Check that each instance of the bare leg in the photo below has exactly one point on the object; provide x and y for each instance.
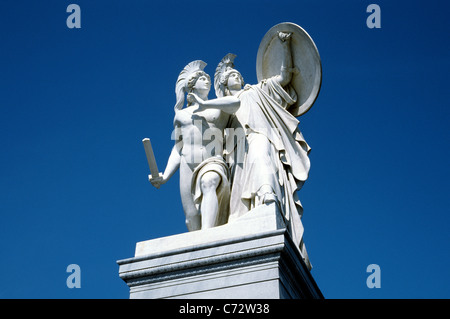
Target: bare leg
(209, 206)
(193, 221)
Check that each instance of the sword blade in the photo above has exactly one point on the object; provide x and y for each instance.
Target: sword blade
(150, 158)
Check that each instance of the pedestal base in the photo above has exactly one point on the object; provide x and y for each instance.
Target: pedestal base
(252, 257)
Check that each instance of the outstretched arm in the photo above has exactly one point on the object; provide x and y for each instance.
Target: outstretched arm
(227, 104)
(286, 64)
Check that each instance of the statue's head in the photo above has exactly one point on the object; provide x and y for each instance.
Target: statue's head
(227, 77)
(199, 83)
(192, 79)
(232, 80)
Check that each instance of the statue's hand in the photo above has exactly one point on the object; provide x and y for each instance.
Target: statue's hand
(190, 98)
(157, 181)
(284, 36)
(193, 98)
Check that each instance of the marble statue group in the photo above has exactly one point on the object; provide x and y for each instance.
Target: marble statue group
(244, 148)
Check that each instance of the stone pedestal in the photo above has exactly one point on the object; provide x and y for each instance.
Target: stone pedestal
(251, 257)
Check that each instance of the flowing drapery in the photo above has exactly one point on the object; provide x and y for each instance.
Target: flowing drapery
(271, 152)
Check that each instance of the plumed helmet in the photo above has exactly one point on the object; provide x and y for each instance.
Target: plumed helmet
(182, 86)
(223, 71)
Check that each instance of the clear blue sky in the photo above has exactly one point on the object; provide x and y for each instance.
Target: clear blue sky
(76, 103)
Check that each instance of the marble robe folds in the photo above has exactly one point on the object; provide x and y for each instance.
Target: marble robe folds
(283, 163)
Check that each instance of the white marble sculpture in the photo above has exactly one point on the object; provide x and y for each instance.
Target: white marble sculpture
(276, 162)
(204, 175)
(268, 163)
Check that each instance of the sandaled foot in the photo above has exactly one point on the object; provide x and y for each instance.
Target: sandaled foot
(269, 198)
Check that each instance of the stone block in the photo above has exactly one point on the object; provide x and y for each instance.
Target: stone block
(251, 257)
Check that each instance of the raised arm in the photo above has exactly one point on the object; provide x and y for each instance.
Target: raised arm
(286, 64)
(227, 104)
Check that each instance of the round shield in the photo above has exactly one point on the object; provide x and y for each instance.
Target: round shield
(307, 78)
